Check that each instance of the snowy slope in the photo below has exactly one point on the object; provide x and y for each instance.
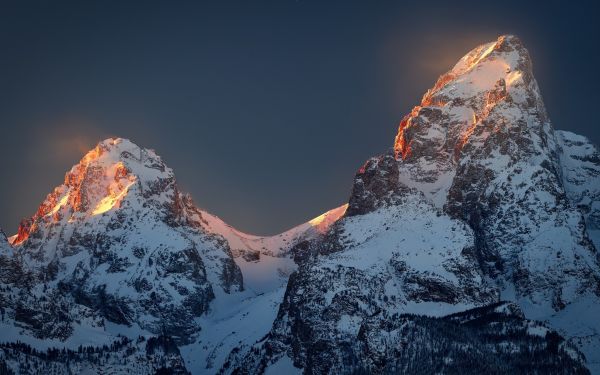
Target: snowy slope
(241, 319)
(243, 243)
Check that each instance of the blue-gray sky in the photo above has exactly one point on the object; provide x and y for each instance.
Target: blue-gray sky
(263, 109)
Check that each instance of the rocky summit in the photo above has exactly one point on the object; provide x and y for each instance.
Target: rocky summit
(469, 247)
(114, 245)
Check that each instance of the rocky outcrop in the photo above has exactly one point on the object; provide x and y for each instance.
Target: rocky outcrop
(376, 184)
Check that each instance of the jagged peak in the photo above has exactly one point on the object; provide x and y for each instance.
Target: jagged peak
(506, 47)
(102, 180)
(494, 73)
(505, 60)
(107, 172)
(112, 151)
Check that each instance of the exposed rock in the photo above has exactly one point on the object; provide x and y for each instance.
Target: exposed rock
(375, 184)
(580, 171)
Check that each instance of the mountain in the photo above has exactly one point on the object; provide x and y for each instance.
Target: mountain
(118, 251)
(480, 201)
(469, 247)
(115, 244)
(499, 166)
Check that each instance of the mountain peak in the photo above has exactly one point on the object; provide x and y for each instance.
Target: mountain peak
(492, 78)
(480, 69)
(120, 150)
(115, 239)
(113, 173)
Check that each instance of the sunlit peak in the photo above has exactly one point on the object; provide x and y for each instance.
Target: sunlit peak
(322, 222)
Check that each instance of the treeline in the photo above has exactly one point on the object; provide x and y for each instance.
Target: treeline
(158, 355)
(64, 354)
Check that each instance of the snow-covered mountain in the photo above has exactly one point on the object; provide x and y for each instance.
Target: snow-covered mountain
(118, 251)
(115, 244)
(481, 147)
(471, 246)
(480, 201)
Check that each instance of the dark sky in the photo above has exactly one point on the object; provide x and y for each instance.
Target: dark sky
(264, 109)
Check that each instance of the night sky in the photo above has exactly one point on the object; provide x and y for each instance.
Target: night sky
(263, 109)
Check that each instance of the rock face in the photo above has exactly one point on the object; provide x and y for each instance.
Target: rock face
(580, 170)
(114, 244)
